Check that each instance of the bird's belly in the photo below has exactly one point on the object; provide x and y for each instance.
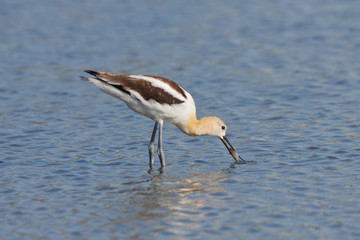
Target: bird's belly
(158, 112)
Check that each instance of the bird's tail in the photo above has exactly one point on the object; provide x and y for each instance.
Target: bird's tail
(95, 81)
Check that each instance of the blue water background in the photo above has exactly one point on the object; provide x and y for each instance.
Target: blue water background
(284, 76)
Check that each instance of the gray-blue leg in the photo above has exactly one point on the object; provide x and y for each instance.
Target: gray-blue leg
(151, 146)
(160, 150)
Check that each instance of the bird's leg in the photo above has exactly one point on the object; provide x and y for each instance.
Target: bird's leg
(160, 150)
(151, 146)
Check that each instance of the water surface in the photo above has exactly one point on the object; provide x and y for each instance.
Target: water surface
(283, 75)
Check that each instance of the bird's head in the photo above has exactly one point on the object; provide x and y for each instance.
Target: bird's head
(214, 126)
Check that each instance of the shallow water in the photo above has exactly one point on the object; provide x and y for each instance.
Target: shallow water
(283, 75)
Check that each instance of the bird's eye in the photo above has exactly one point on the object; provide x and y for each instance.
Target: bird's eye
(223, 127)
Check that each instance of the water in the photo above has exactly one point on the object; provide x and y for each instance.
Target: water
(284, 76)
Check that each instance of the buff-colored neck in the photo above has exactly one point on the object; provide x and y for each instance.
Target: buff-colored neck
(197, 127)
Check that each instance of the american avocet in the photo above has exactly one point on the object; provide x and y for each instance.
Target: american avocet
(163, 101)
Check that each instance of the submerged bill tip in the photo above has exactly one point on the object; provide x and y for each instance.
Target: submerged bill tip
(234, 154)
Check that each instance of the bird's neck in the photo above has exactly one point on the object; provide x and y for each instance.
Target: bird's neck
(197, 127)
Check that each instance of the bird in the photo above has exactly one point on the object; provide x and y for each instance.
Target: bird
(163, 101)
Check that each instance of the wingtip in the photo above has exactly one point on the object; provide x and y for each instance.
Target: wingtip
(94, 73)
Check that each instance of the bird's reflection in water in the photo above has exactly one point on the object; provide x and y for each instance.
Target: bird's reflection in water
(170, 200)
